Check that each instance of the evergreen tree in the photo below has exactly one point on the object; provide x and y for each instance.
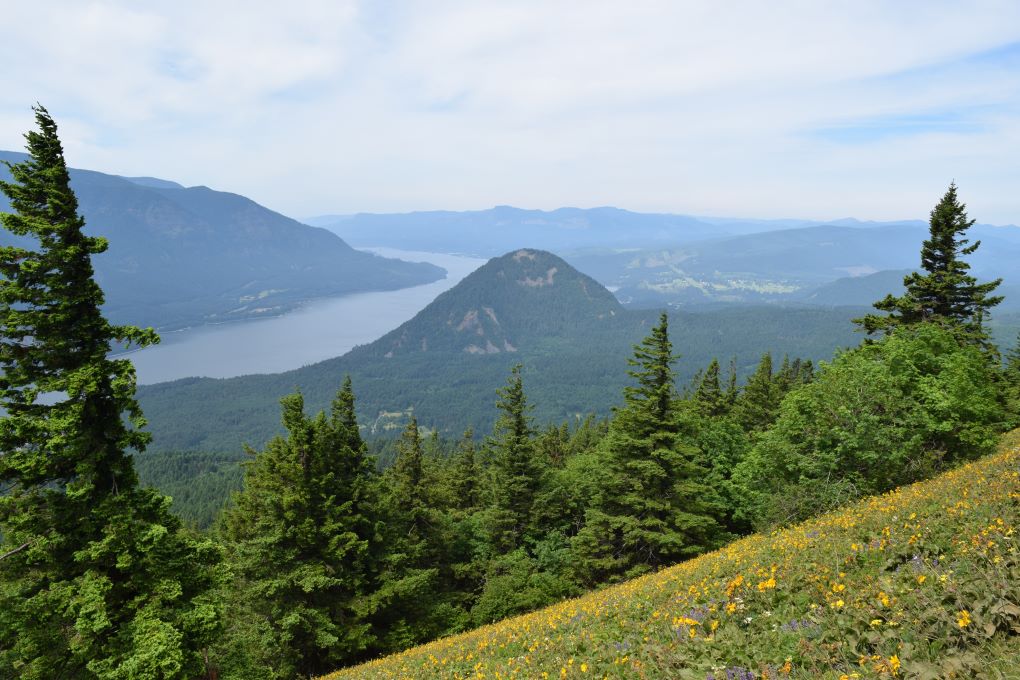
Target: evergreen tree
(97, 579)
(1013, 360)
(465, 474)
(1011, 376)
(515, 472)
(758, 403)
(655, 507)
(731, 385)
(709, 397)
(300, 537)
(414, 580)
(344, 416)
(405, 482)
(945, 293)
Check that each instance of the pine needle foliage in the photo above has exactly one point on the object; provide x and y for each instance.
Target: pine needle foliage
(655, 507)
(943, 292)
(97, 579)
(299, 538)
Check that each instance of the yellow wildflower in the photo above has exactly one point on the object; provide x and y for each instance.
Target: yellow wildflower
(963, 619)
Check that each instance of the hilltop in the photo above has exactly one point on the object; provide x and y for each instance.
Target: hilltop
(919, 583)
(510, 302)
(183, 256)
(528, 306)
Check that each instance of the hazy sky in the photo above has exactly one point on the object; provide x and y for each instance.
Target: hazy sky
(767, 109)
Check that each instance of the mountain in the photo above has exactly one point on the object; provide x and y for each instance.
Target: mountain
(497, 230)
(857, 290)
(528, 306)
(777, 266)
(182, 256)
(510, 302)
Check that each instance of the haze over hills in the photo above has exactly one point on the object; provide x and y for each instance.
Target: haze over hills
(651, 260)
(497, 230)
(531, 307)
(183, 256)
(783, 266)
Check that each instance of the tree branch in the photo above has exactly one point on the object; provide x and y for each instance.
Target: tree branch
(16, 550)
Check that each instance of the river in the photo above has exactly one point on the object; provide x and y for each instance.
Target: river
(320, 329)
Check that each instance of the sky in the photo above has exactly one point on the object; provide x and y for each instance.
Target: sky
(769, 109)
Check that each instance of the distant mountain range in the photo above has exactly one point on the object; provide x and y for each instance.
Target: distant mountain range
(184, 256)
(503, 228)
(528, 306)
(652, 260)
(811, 265)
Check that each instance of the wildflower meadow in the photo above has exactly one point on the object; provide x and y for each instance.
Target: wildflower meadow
(922, 582)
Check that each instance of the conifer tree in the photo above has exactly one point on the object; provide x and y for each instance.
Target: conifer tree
(1012, 380)
(406, 484)
(300, 537)
(656, 507)
(731, 384)
(758, 403)
(410, 589)
(515, 471)
(97, 579)
(944, 293)
(709, 397)
(344, 416)
(465, 474)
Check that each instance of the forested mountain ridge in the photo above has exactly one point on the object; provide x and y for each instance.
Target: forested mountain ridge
(503, 304)
(183, 256)
(528, 307)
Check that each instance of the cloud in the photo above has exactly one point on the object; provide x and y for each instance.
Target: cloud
(751, 108)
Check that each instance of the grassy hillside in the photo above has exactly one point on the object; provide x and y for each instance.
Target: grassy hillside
(923, 582)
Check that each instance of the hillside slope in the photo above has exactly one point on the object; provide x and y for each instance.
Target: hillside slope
(182, 256)
(922, 582)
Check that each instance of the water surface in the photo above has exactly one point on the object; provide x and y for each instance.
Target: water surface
(321, 329)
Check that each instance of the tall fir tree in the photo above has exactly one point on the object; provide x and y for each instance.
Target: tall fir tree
(300, 537)
(465, 474)
(655, 507)
(406, 483)
(97, 580)
(411, 586)
(732, 392)
(515, 472)
(344, 417)
(709, 397)
(758, 403)
(943, 292)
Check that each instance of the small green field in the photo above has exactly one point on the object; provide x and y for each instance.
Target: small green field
(922, 582)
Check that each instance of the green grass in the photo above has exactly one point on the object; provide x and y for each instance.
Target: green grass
(922, 582)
